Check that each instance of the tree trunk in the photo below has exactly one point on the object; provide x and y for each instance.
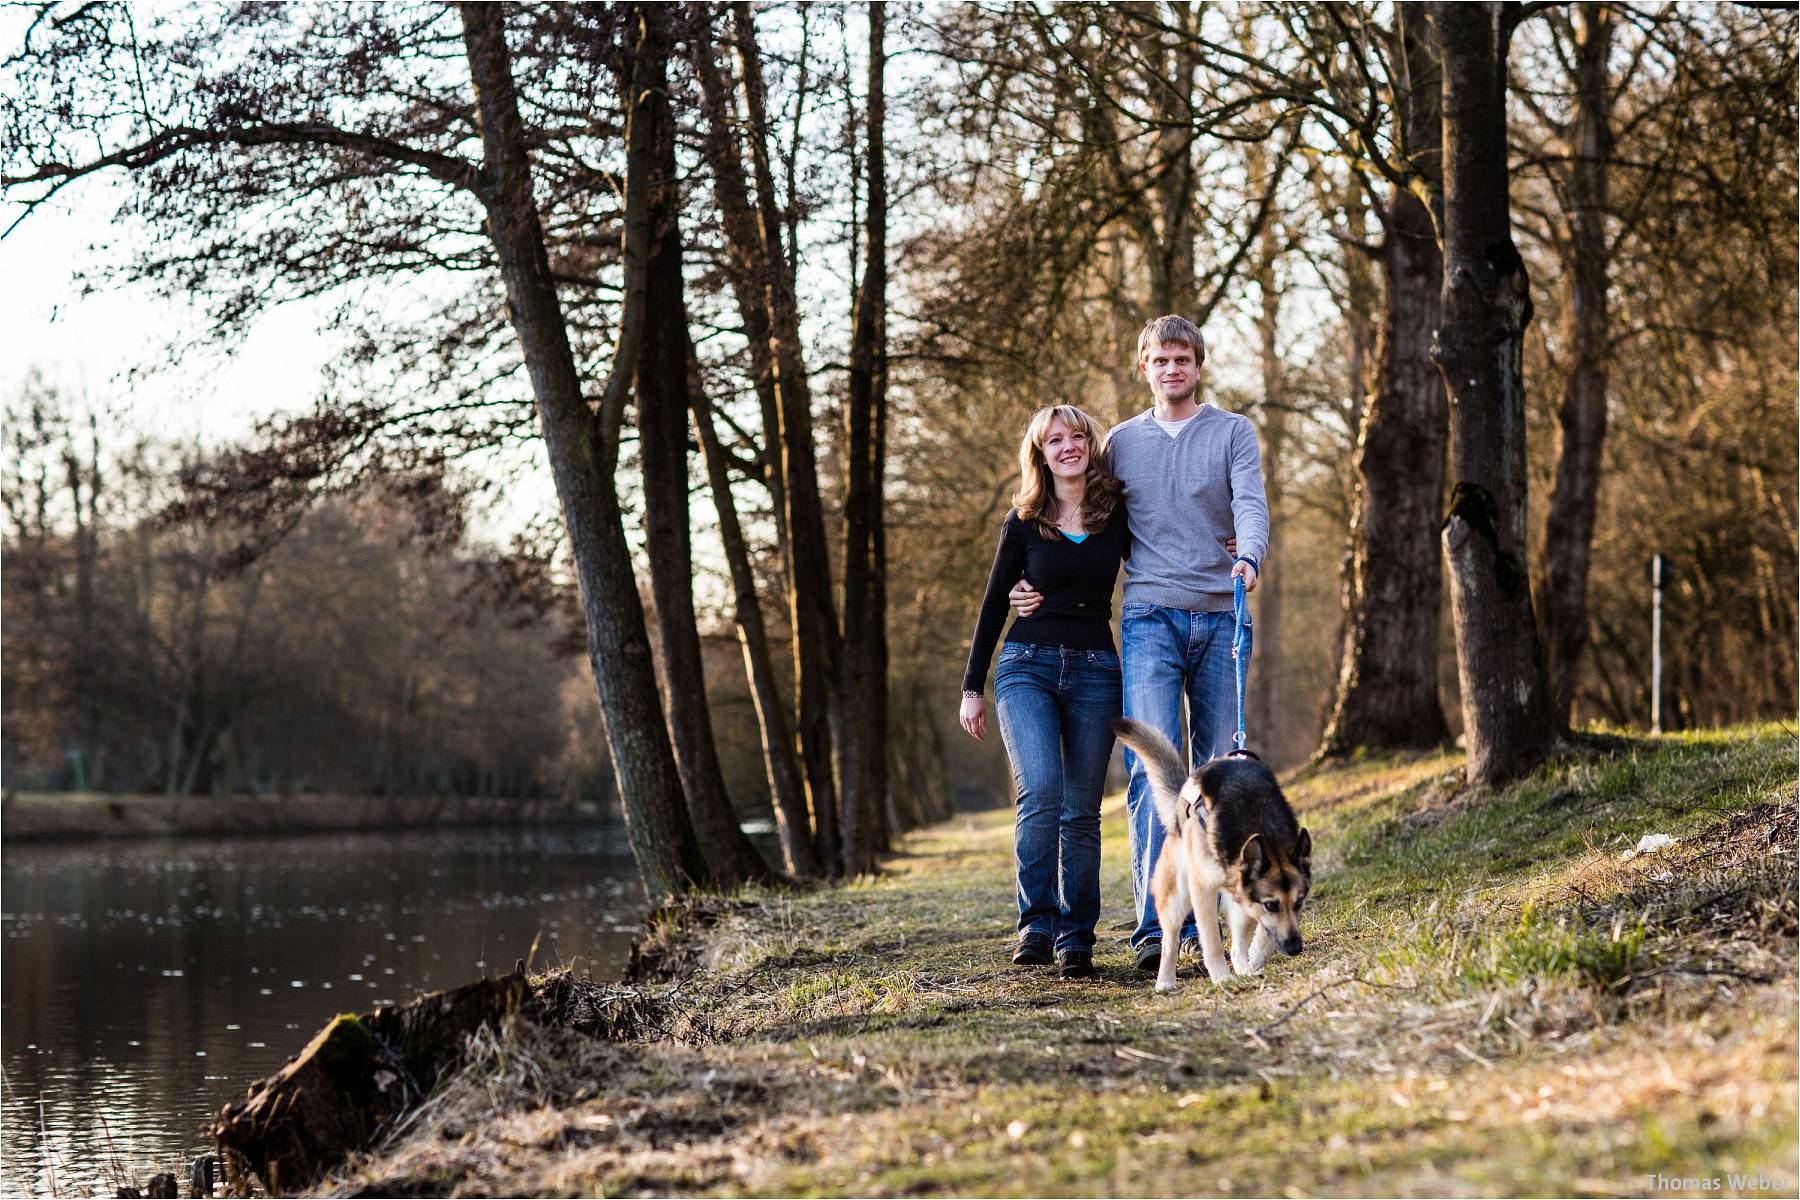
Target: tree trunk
(662, 838)
(663, 404)
(1171, 261)
(1509, 717)
(881, 698)
(812, 617)
(863, 751)
(87, 553)
(1264, 700)
(787, 789)
(1569, 529)
(747, 263)
(1387, 693)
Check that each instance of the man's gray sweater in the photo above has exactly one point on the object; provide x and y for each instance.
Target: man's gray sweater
(1184, 496)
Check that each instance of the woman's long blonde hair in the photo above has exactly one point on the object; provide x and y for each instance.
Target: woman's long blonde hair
(1036, 497)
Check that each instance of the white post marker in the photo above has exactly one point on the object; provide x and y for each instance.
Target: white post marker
(1659, 573)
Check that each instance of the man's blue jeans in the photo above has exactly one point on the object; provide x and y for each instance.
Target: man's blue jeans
(1171, 653)
(1056, 709)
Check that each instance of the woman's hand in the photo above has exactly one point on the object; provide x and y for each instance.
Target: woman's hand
(973, 716)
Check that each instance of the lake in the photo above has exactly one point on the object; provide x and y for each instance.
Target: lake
(148, 982)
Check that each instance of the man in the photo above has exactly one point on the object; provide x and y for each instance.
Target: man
(1198, 520)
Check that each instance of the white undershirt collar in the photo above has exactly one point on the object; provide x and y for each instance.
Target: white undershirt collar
(1174, 428)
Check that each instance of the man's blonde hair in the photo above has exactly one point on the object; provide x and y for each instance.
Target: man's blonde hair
(1171, 330)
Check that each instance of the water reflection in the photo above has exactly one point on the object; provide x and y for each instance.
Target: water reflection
(147, 983)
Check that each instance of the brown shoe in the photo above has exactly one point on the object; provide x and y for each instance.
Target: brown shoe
(1075, 964)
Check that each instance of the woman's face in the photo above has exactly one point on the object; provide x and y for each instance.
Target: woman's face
(1065, 450)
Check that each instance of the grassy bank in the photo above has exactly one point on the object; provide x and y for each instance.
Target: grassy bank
(1493, 1000)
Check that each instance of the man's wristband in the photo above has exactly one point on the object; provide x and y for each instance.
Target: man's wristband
(1254, 565)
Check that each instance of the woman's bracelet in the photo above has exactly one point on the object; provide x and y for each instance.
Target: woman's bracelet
(968, 695)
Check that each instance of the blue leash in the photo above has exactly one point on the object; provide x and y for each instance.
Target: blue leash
(1240, 611)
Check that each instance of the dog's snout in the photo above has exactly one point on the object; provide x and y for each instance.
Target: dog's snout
(1291, 946)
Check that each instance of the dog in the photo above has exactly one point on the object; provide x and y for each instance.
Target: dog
(1231, 834)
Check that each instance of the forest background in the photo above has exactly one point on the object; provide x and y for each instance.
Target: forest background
(769, 293)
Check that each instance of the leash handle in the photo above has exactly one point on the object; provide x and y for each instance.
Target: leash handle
(1240, 609)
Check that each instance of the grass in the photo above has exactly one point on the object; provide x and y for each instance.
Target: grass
(1494, 1000)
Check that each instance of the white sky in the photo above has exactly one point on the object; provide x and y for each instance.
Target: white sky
(111, 346)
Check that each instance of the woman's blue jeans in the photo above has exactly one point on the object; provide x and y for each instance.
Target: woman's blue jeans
(1056, 709)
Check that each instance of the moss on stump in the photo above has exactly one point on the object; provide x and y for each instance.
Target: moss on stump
(356, 1077)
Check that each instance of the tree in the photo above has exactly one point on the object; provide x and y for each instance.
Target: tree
(768, 289)
(663, 404)
(864, 663)
(577, 439)
(787, 787)
(1508, 711)
(1386, 693)
(1569, 529)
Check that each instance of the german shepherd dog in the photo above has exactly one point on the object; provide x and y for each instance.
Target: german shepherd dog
(1230, 832)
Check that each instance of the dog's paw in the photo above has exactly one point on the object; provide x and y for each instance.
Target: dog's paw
(1247, 965)
(1220, 970)
(1166, 985)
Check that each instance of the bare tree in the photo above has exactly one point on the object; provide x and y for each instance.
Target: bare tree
(1387, 683)
(1508, 711)
(1581, 420)
(812, 614)
(576, 436)
(663, 403)
(864, 661)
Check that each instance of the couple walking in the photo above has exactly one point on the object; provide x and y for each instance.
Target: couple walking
(1176, 494)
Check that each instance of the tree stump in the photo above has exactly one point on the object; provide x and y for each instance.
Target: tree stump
(356, 1077)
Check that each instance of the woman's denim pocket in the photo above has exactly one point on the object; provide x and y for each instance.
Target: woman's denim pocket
(1106, 660)
(1013, 651)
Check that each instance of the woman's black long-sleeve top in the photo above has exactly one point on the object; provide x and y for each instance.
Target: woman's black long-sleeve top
(1075, 578)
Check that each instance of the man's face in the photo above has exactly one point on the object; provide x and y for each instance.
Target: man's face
(1171, 371)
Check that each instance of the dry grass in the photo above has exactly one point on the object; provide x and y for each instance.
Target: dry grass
(1491, 1003)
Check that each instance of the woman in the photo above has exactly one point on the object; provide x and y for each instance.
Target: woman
(1058, 685)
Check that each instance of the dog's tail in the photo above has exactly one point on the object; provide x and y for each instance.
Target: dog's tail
(1162, 764)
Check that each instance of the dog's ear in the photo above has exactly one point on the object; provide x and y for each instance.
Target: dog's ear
(1303, 851)
(1251, 859)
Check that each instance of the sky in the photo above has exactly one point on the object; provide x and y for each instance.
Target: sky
(110, 346)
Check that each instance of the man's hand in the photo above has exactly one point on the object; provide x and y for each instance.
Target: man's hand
(1241, 569)
(973, 716)
(1024, 598)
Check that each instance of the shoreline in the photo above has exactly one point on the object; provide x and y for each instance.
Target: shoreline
(41, 818)
(1481, 965)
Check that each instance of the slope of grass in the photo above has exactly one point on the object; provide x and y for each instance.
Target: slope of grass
(1494, 1000)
